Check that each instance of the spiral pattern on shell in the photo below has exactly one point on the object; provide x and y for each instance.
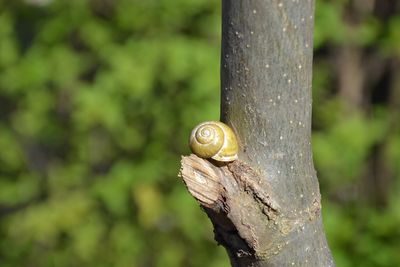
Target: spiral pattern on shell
(214, 140)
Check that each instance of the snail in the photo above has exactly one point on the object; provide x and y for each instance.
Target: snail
(214, 139)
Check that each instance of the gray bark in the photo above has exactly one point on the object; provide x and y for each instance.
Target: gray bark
(265, 207)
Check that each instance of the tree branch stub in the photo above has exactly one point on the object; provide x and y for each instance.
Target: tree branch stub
(237, 199)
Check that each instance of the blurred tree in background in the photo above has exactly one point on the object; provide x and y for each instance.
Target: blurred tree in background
(97, 98)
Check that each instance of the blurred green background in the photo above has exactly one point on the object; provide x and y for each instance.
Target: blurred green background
(97, 98)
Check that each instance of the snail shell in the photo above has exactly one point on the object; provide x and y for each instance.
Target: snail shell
(214, 139)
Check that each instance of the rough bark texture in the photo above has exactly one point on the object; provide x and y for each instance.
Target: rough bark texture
(265, 207)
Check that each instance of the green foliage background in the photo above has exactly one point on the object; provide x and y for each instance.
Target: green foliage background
(97, 98)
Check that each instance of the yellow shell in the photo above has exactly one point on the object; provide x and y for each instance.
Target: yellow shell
(214, 139)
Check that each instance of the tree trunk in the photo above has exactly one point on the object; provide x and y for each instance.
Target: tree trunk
(265, 207)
